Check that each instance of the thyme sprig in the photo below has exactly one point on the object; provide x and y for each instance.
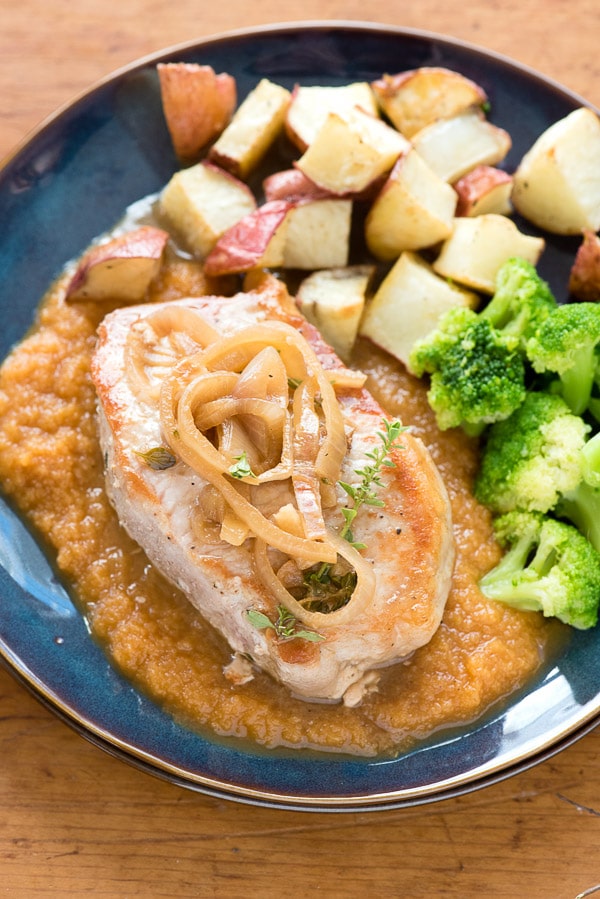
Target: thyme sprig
(286, 625)
(365, 493)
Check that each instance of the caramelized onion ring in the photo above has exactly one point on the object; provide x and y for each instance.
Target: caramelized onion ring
(199, 453)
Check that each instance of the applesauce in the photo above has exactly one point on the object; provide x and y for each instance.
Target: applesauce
(52, 470)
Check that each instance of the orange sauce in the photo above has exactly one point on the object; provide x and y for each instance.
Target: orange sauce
(51, 468)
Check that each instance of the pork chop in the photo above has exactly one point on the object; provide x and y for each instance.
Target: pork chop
(408, 547)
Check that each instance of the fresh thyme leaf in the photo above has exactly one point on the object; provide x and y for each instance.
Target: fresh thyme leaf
(311, 636)
(241, 468)
(286, 625)
(355, 543)
(374, 501)
(258, 619)
(349, 515)
(158, 458)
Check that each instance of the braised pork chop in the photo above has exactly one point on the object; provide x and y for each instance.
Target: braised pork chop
(408, 541)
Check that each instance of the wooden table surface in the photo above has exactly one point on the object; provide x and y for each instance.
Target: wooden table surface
(75, 821)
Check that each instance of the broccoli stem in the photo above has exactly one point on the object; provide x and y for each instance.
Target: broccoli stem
(505, 581)
(582, 507)
(590, 458)
(578, 380)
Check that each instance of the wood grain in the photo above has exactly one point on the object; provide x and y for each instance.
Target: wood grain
(73, 820)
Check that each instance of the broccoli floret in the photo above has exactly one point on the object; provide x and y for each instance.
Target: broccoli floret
(522, 300)
(566, 344)
(477, 374)
(548, 567)
(533, 457)
(581, 505)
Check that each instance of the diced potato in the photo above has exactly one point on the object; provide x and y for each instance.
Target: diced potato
(414, 209)
(349, 154)
(310, 106)
(479, 246)
(197, 104)
(121, 268)
(416, 98)
(584, 278)
(256, 241)
(253, 129)
(333, 301)
(557, 183)
(452, 147)
(408, 305)
(483, 190)
(318, 234)
(202, 203)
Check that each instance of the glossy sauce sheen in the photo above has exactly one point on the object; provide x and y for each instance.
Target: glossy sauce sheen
(51, 467)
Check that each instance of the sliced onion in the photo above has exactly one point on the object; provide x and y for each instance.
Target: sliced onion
(233, 530)
(307, 485)
(265, 377)
(231, 397)
(198, 452)
(155, 343)
(334, 446)
(345, 378)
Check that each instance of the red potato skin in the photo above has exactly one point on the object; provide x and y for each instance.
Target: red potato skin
(146, 242)
(292, 185)
(584, 279)
(242, 247)
(475, 184)
(365, 196)
(197, 105)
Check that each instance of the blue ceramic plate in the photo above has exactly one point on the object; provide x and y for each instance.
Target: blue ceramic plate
(71, 181)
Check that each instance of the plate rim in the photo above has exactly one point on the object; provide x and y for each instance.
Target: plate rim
(277, 28)
(149, 762)
(399, 799)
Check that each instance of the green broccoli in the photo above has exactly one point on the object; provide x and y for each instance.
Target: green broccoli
(522, 300)
(581, 504)
(533, 457)
(477, 374)
(538, 460)
(566, 344)
(593, 406)
(548, 566)
(591, 461)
